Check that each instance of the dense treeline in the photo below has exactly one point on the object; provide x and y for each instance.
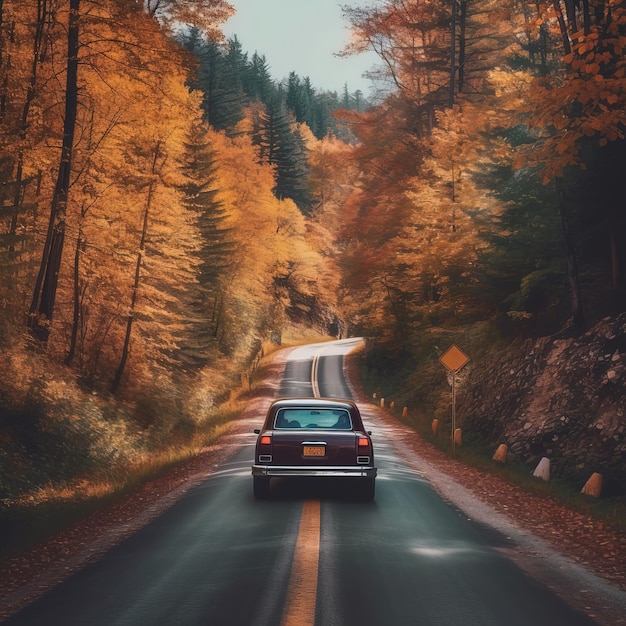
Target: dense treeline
(150, 242)
(491, 186)
(232, 85)
(230, 82)
(490, 214)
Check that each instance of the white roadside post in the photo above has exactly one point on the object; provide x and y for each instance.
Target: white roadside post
(453, 359)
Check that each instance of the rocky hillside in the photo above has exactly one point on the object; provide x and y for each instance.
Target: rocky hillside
(563, 398)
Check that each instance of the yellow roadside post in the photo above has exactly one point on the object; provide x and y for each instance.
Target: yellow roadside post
(458, 437)
(593, 487)
(500, 454)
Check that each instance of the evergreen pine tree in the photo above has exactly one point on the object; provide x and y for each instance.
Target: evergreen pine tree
(205, 304)
(257, 82)
(523, 267)
(299, 98)
(281, 146)
(358, 100)
(223, 101)
(219, 77)
(238, 60)
(346, 100)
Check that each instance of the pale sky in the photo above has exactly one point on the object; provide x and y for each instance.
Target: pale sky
(301, 36)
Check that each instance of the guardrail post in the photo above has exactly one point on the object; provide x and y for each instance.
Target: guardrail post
(458, 437)
(593, 486)
(500, 454)
(543, 469)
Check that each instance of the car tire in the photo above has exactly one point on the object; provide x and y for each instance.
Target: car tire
(368, 489)
(261, 487)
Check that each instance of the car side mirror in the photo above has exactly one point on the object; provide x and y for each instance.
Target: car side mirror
(257, 431)
(369, 432)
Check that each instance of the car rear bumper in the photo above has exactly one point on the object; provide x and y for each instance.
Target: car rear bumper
(352, 471)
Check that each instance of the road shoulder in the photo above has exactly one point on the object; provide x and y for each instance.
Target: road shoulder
(582, 559)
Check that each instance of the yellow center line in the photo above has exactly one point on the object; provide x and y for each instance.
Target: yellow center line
(302, 592)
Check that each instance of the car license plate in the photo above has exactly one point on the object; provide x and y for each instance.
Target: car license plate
(314, 451)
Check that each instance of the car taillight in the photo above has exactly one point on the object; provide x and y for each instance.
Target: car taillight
(265, 449)
(363, 450)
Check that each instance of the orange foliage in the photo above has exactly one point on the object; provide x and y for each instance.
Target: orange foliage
(588, 100)
(130, 154)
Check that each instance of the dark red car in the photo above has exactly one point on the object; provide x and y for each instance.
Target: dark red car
(317, 437)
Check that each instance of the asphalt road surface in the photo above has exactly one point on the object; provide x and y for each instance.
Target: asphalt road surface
(312, 554)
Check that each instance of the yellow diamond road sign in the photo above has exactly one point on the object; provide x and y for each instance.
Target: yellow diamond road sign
(453, 358)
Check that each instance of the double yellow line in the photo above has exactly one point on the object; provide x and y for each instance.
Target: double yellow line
(302, 592)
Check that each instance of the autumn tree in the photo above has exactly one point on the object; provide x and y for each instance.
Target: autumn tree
(374, 214)
(580, 120)
(45, 17)
(332, 177)
(412, 40)
(44, 293)
(178, 260)
(27, 35)
(99, 219)
(204, 14)
(423, 204)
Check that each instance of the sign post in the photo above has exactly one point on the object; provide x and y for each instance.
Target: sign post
(453, 359)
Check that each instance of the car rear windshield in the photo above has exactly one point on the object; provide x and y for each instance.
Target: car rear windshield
(336, 419)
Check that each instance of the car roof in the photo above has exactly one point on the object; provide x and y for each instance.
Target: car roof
(336, 403)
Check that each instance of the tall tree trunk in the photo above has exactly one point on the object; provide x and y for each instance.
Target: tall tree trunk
(133, 302)
(1, 33)
(42, 306)
(452, 53)
(76, 318)
(573, 278)
(586, 17)
(616, 265)
(462, 45)
(43, 14)
(567, 46)
(570, 11)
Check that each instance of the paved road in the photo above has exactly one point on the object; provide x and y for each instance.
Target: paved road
(312, 554)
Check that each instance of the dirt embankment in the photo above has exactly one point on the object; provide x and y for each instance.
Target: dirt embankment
(560, 398)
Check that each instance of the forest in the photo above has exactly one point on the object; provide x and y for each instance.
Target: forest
(170, 211)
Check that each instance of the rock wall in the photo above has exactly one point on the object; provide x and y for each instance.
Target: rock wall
(560, 398)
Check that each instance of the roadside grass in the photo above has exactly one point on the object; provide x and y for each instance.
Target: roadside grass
(475, 452)
(611, 510)
(88, 454)
(48, 509)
